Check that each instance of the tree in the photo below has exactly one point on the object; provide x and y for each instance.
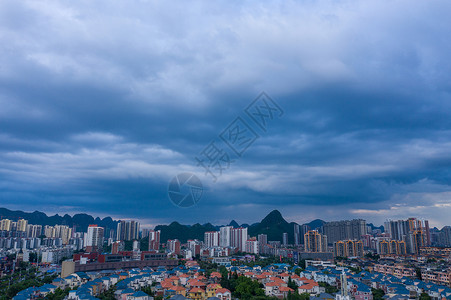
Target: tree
(247, 288)
(355, 270)
(108, 294)
(378, 294)
(302, 263)
(418, 273)
(425, 296)
(33, 257)
(58, 294)
(329, 288)
(291, 284)
(372, 256)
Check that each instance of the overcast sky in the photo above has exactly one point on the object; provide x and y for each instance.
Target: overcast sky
(102, 103)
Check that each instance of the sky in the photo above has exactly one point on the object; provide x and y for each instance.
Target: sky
(103, 103)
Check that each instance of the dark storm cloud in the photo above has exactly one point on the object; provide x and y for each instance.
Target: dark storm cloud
(101, 104)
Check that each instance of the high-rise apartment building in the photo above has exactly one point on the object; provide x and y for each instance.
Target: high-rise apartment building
(127, 231)
(348, 248)
(5, 224)
(262, 239)
(117, 246)
(239, 238)
(391, 247)
(417, 239)
(304, 229)
(94, 238)
(344, 230)
(154, 239)
(225, 236)
(194, 246)
(252, 246)
(34, 231)
(62, 232)
(397, 247)
(297, 234)
(414, 232)
(444, 237)
(174, 246)
(211, 239)
(285, 238)
(22, 225)
(315, 242)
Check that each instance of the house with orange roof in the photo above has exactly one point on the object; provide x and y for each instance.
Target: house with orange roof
(191, 281)
(196, 293)
(166, 284)
(191, 263)
(215, 275)
(271, 288)
(277, 280)
(184, 279)
(199, 284)
(312, 288)
(284, 276)
(223, 294)
(249, 274)
(174, 278)
(284, 290)
(212, 288)
(302, 280)
(180, 290)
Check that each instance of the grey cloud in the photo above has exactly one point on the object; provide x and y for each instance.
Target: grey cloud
(102, 102)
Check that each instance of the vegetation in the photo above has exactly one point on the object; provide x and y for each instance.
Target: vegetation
(242, 287)
(301, 263)
(24, 277)
(418, 273)
(329, 288)
(148, 290)
(425, 296)
(372, 256)
(291, 284)
(108, 294)
(355, 270)
(378, 294)
(246, 288)
(296, 296)
(58, 294)
(266, 261)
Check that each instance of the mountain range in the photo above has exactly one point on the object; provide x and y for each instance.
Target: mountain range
(80, 221)
(274, 225)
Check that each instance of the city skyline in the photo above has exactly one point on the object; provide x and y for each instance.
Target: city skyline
(356, 226)
(102, 107)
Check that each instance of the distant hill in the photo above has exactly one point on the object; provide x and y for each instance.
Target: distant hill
(234, 224)
(274, 225)
(184, 232)
(81, 221)
(316, 224)
(376, 227)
